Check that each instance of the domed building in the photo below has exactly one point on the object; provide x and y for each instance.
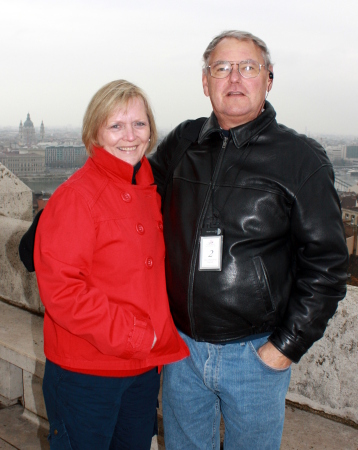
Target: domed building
(42, 131)
(27, 132)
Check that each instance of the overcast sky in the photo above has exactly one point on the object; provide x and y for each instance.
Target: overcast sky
(56, 54)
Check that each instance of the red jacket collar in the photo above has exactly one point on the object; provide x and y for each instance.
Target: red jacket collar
(120, 170)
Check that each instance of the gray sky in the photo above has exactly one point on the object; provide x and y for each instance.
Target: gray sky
(55, 54)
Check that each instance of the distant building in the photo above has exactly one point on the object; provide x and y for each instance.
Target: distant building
(22, 165)
(21, 132)
(65, 156)
(350, 220)
(42, 132)
(350, 215)
(351, 152)
(27, 134)
(335, 152)
(348, 200)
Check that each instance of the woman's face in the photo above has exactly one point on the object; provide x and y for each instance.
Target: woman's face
(126, 133)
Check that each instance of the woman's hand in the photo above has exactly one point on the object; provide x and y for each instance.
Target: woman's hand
(154, 340)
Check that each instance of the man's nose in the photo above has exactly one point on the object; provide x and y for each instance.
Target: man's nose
(235, 75)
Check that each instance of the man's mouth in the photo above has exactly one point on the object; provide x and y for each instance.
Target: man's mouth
(234, 93)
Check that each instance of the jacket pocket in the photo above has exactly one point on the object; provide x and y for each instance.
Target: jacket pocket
(140, 339)
(264, 284)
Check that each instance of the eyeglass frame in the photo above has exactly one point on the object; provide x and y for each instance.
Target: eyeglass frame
(238, 68)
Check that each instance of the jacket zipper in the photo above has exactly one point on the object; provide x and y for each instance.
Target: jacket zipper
(197, 237)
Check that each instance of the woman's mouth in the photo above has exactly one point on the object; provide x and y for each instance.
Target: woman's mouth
(127, 149)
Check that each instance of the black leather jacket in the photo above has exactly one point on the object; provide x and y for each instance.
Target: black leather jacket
(284, 267)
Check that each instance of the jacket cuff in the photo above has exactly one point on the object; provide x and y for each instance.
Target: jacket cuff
(140, 339)
(291, 349)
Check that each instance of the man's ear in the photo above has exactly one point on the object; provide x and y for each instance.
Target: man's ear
(270, 79)
(205, 83)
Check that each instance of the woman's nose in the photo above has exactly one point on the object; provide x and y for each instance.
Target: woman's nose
(129, 133)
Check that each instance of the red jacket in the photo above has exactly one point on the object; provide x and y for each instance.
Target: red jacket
(99, 258)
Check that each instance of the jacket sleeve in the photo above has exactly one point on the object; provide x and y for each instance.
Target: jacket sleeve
(65, 243)
(26, 246)
(161, 159)
(320, 260)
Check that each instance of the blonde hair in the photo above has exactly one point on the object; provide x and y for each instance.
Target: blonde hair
(110, 97)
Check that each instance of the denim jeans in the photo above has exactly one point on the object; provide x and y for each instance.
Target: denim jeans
(89, 412)
(230, 380)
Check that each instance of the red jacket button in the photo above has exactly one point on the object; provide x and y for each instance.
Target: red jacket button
(149, 263)
(140, 229)
(126, 197)
(160, 226)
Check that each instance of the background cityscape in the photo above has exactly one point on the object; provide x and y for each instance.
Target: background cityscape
(43, 158)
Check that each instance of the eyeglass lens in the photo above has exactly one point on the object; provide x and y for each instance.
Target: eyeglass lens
(248, 69)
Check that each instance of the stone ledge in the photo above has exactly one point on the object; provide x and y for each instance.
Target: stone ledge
(21, 339)
(16, 284)
(326, 377)
(21, 352)
(15, 196)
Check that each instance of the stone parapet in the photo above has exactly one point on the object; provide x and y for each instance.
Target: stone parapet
(22, 360)
(15, 196)
(17, 286)
(326, 378)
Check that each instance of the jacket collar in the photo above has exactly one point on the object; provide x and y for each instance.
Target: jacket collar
(243, 133)
(119, 170)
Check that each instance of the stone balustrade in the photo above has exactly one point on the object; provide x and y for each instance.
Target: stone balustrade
(325, 380)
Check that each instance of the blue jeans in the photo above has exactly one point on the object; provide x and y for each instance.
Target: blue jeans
(89, 412)
(230, 380)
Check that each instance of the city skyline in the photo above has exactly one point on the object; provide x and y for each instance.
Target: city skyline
(56, 56)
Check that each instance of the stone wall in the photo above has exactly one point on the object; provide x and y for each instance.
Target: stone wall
(326, 378)
(16, 284)
(15, 196)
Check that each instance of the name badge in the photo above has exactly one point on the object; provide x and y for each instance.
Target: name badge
(211, 252)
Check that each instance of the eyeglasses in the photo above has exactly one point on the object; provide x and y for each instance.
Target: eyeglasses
(247, 69)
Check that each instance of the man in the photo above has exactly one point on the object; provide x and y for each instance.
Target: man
(256, 256)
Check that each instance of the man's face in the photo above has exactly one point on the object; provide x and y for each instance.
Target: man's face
(236, 100)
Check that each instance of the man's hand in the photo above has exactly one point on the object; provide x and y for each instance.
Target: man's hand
(273, 357)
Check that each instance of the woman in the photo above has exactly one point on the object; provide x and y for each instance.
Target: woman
(99, 258)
